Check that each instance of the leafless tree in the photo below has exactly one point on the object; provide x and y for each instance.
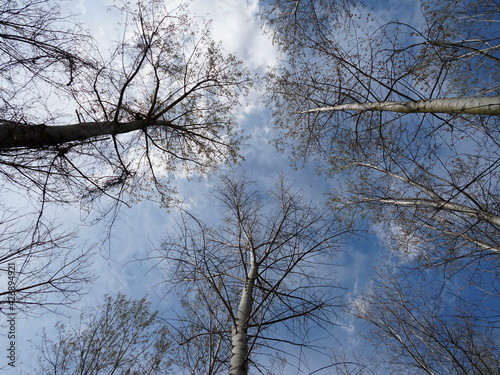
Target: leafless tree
(40, 267)
(435, 175)
(121, 336)
(255, 281)
(420, 322)
(82, 120)
(486, 105)
(158, 102)
(428, 182)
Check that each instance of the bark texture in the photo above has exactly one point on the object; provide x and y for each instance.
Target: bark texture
(445, 205)
(239, 337)
(471, 105)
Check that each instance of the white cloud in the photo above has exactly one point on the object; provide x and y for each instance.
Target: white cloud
(238, 27)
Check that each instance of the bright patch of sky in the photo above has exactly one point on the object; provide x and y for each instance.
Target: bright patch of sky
(236, 25)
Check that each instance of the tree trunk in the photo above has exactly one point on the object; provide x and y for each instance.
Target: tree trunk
(16, 135)
(239, 337)
(471, 105)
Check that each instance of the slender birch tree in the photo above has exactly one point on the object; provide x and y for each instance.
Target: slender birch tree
(83, 119)
(257, 283)
(426, 182)
(473, 105)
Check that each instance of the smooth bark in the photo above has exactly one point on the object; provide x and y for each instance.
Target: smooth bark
(444, 205)
(470, 105)
(251, 281)
(239, 336)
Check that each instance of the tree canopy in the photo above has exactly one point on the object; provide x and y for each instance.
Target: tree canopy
(79, 120)
(92, 125)
(426, 183)
(434, 174)
(122, 336)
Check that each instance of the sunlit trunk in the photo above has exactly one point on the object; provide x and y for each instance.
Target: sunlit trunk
(445, 205)
(17, 135)
(472, 105)
(239, 337)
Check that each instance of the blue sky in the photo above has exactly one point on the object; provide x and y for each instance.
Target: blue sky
(143, 226)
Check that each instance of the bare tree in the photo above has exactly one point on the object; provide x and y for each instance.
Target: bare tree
(80, 121)
(158, 102)
(421, 322)
(473, 105)
(122, 336)
(40, 267)
(258, 282)
(428, 182)
(434, 175)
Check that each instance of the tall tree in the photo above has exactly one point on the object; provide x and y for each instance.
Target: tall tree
(156, 103)
(82, 119)
(473, 105)
(430, 181)
(122, 336)
(257, 282)
(435, 175)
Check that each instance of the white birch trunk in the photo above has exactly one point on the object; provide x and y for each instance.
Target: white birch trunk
(448, 206)
(239, 336)
(435, 200)
(16, 135)
(471, 105)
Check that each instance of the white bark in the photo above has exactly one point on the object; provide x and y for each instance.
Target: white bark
(483, 245)
(471, 105)
(239, 337)
(435, 200)
(444, 205)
